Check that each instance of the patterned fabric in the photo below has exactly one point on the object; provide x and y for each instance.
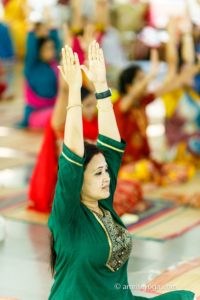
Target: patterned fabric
(120, 241)
(132, 127)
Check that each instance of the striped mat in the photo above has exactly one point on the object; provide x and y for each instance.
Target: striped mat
(167, 224)
(185, 276)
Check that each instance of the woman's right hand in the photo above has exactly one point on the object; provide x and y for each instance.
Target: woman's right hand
(97, 69)
(70, 69)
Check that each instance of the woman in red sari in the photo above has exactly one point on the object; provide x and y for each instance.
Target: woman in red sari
(130, 109)
(44, 177)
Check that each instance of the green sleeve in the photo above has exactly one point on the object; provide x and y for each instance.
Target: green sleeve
(66, 203)
(113, 152)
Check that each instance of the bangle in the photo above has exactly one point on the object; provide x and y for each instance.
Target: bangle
(106, 107)
(103, 95)
(74, 105)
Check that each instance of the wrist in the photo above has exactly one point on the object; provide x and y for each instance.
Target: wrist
(74, 89)
(74, 95)
(101, 87)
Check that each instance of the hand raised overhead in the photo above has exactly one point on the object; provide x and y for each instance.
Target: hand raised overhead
(97, 70)
(70, 68)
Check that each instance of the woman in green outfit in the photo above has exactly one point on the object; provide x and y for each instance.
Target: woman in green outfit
(91, 245)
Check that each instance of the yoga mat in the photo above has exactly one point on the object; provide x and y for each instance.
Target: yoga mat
(176, 191)
(185, 276)
(169, 223)
(20, 212)
(14, 204)
(27, 141)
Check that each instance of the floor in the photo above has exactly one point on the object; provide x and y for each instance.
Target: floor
(24, 254)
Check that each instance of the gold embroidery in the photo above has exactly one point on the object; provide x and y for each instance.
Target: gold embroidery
(119, 240)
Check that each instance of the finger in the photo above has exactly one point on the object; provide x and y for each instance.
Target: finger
(93, 50)
(76, 59)
(97, 51)
(71, 55)
(67, 53)
(101, 56)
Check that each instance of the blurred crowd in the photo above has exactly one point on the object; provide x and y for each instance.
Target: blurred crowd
(152, 50)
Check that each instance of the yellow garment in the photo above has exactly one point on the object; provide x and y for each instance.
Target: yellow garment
(115, 95)
(171, 100)
(15, 16)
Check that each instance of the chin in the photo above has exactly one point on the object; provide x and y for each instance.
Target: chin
(105, 195)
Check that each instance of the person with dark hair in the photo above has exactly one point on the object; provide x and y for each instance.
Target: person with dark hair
(130, 109)
(44, 176)
(41, 76)
(90, 243)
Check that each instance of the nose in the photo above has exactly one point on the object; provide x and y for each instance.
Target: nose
(106, 178)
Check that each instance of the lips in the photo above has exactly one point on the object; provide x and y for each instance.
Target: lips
(106, 187)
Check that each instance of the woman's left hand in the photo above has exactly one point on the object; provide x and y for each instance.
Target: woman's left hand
(97, 69)
(70, 70)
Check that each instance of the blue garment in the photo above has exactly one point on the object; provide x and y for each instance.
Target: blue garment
(197, 83)
(40, 75)
(6, 45)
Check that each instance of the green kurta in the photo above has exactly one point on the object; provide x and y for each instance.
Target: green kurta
(81, 243)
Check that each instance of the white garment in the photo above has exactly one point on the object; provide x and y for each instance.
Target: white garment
(113, 51)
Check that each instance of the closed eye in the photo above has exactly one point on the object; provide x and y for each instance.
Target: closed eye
(98, 174)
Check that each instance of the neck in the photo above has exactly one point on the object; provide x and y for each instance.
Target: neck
(93, 205)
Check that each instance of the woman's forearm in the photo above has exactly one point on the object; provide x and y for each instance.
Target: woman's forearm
(135, 94)
(73, 137)
(59, 111)
(106, 117)
(188, 52)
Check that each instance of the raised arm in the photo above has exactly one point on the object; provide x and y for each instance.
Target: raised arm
(138, 90)
(71, 73)
(171, 51)
(97, 74)
(31, 51)
(59, 111)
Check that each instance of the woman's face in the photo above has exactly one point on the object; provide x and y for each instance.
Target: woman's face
(96, 183)
(89, 107)
(140, 75)
(47, 51)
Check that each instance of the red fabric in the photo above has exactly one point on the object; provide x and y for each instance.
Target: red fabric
(90, 129)
(76, 46)
(132, 126)
(44, 177)
(128, 193)
(2, 88)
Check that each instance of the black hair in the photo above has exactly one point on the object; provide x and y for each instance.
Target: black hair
(85, 92)
(126, 77)
(90, 151)
(43, 40)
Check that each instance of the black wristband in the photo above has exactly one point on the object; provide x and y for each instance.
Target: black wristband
(103, 95)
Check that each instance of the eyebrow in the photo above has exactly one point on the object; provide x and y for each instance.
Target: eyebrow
(101, 168)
